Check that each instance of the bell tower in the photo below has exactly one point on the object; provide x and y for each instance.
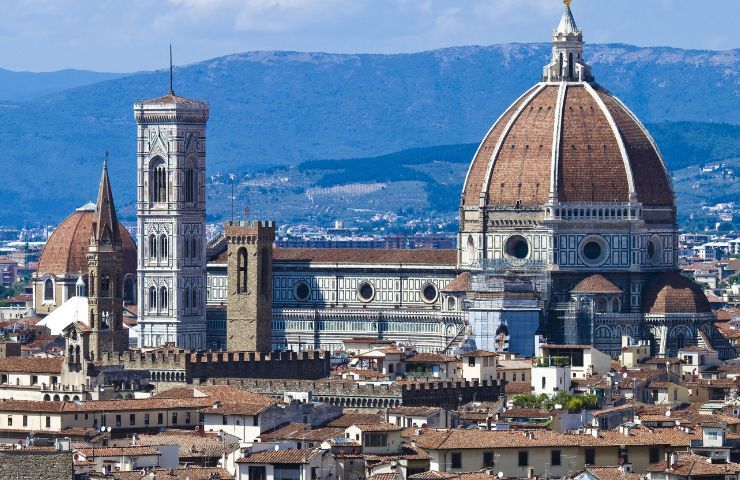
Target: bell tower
(171, 212)
(105, 260)
(249, 305)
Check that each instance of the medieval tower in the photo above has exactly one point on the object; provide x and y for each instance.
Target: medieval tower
(171, 210)
(249, 303)
(105, 261)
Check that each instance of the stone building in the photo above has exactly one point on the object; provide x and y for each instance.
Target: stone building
(64, 261)
(249, 309)
(171, 209)
(567, 230)
(104, 259)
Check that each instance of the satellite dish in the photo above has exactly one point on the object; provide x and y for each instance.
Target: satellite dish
(276, 447)
(500, 474)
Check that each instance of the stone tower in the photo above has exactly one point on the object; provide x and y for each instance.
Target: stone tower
(105, 260)
(171, 210)
(249, 303)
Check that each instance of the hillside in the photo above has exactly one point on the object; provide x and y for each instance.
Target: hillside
(422, 186)
(284, 108)
(24, 86)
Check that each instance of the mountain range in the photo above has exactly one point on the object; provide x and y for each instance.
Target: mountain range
(285, 108)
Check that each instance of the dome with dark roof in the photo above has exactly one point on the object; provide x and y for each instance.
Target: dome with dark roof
(568, 140)
(66, 250)
(671, 292)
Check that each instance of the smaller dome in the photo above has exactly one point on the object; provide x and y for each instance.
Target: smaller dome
(66, 250)
(596, 284)
(671, 292)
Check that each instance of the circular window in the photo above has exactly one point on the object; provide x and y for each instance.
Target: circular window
(366, 291)
(301, 291)
(594, 250)
(429, 293)
(517, 247)
(654, 249)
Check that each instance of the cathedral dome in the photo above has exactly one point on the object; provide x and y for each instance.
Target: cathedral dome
(66, 250)
(567, 140)
(671, 292)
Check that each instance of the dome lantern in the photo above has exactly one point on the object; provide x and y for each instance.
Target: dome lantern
(567, 62)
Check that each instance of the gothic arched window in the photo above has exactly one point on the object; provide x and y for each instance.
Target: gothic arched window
(570, 66)
(152, 247)
(189, 185)
(241, 274)
(48, 289)
(186, 300)
(163, 246)
(152, 298)
(194, 247)
(128, 290)
(158, 180)
(560, 64)
(187, 247)
(194, 303)
(105, 286)
(163, 300)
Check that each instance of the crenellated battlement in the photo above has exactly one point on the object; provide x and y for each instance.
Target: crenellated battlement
(347, 393)
(249, 231)
(201, 366)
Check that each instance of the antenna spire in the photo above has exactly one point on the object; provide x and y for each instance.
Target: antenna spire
(172, 90)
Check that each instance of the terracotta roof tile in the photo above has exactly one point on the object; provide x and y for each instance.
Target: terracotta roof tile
(461, 283)
(131, 451)
(66, 250)
(612, 473)
(287, 456)
(31, 365)
(691, 465)
(479, 166)
(521, 170)
(671, 292)
(349, 419)
(435, 257)
(596, 284)
(479, 439)
(191, 444)
(190, 473)
(428, 357)
(415, 411)
(378, 427)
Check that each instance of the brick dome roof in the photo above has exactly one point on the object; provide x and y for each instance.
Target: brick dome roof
(596, 284)
(671, 292)
(66, 250)
(573, 141)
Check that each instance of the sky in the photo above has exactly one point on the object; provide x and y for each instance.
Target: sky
(132, 35)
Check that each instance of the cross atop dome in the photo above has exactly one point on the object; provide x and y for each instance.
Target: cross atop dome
(567, 52)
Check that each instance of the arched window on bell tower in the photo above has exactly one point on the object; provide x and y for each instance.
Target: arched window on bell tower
(157, 180)
(163, 246)
(152, 248)
(189, 184)
(241, 270)
(152, 298)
